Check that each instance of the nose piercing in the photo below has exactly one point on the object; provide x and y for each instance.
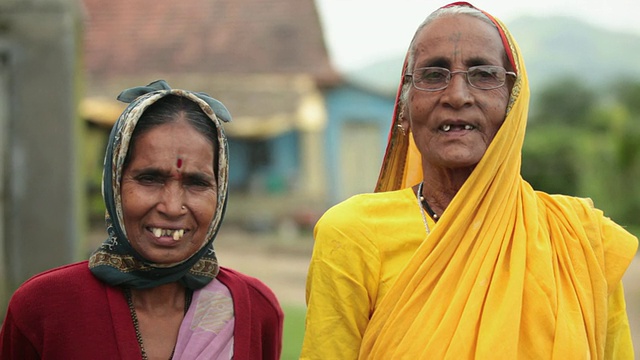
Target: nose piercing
(183, 207)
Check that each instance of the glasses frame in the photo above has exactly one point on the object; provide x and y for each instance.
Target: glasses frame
(450, 75)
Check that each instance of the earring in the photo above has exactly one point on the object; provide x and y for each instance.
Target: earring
(402, 130)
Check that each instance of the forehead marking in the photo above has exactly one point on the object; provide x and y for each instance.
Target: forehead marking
(179, 163)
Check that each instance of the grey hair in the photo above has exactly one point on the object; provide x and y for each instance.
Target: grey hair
(441, 12)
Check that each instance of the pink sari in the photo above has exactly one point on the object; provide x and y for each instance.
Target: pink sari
(207, 329)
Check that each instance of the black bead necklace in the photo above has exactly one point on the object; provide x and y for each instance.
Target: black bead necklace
(134, 317)
(425, 204)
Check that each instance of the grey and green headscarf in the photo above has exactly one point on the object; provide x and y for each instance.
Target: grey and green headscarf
(115, 261)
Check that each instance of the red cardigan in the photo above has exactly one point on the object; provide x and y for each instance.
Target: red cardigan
(67, 313)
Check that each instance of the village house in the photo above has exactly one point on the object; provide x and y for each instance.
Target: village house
(301, 138)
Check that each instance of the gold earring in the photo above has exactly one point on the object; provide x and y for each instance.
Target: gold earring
(402, 130)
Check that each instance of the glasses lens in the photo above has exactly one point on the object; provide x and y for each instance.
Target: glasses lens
(430, 78)
(486, 77)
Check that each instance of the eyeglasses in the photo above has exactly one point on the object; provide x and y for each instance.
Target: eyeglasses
(484, 77)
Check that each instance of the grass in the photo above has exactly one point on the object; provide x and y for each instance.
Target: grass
(293, 331)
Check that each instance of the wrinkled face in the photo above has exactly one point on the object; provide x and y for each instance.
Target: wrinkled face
(453, 127)
(169, 192)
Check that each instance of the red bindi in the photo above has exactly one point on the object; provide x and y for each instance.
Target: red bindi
(179, 163)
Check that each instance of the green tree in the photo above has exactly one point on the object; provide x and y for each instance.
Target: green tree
(623, 189)
(586, 143)
(559, 126)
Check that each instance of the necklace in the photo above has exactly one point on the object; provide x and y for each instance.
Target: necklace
(425, 204)
(188, 294)
(424, 217)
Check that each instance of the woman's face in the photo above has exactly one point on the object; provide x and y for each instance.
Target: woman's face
(169, 192)
(453, 127)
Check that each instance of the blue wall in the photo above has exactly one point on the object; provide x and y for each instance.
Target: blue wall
(271, 165)
(352, 104)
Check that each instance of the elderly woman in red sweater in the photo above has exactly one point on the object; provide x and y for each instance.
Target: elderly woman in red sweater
(154, 289)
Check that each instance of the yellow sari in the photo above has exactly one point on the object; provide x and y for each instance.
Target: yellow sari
(507, 272)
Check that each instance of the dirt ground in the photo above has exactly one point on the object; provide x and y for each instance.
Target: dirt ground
(631, 283)
(282, 265)
(280, 262)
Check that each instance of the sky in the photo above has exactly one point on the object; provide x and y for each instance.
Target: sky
(359, 32)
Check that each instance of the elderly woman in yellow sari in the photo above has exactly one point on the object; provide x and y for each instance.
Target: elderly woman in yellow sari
(455, 256)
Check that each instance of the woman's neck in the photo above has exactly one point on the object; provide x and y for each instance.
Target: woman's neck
(168, 297)
(157, 315)
(442, 185)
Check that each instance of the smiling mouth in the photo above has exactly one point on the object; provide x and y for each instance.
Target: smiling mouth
(175, 234)
(450, 127)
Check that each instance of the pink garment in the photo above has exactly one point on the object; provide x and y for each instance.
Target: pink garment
(207, 329)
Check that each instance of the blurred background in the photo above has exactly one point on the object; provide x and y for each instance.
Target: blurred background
(310, 85)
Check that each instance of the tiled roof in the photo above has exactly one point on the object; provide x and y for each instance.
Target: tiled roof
(126, 37)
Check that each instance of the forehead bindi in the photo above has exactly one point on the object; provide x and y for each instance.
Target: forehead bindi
(173, 147)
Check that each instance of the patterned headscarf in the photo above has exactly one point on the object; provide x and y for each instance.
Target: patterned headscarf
(115, 261)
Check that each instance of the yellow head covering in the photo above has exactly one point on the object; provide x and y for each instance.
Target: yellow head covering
(507, 272)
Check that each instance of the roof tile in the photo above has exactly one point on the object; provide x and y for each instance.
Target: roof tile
(124, 37)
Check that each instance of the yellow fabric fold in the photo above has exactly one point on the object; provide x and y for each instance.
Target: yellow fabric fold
(507, 272)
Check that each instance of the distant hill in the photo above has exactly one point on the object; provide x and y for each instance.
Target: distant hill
(552, 47)
(557, 46)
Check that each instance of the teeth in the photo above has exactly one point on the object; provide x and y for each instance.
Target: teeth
(175, 234)
(447, 127)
